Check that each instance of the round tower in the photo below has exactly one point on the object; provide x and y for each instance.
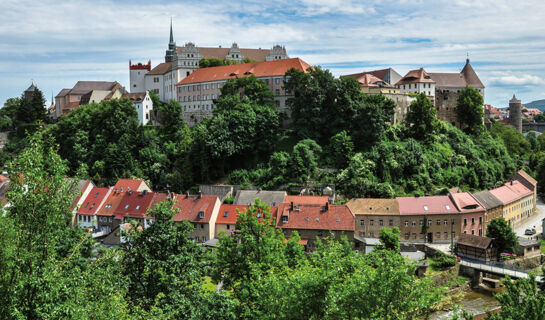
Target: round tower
(515, 113)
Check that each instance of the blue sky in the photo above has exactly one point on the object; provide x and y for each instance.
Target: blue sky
(58, 43)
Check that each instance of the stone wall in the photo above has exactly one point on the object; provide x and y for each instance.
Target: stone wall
(445, 104)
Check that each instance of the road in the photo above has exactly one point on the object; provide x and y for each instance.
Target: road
(533, 221)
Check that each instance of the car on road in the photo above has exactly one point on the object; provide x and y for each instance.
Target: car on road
(530, 231)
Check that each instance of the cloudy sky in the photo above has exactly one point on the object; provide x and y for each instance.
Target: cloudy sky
(56, 43)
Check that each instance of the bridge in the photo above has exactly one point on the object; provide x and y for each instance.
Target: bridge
(496, 268)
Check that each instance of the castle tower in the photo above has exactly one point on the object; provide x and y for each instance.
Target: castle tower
(170, 55)
(515, 113)
(136, 76)
(30, 91)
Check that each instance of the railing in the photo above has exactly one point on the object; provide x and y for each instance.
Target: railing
(480, 264)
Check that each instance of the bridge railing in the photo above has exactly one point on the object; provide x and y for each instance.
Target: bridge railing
(498, 264)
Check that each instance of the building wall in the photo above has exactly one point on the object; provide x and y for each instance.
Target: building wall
(403, 101)
(526, 209)
(412, 232)
(511, 211)
(427, 88)
(226, 229)
(474, 223)
(368, 226)
(201, 232)
(86, 221)
(137, 80)
(155, 84)
(311, 236)
(493, 214)
(445, 104)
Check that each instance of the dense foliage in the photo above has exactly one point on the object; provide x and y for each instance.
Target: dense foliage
(505, 240)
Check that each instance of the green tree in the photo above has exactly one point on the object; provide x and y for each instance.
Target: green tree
(540, 117)
(389, 238)
(505, 240)
(421, 119)
(304, 159)
(340, 150)
(256, 90)
(513, 140)
(469, 110)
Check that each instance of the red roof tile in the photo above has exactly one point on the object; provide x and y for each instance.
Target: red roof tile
(317, 200)
(416, 76)
(314, 217)
(134, 204)
(466, 203)
(91, 204)
(3, 178)
(426, 205)
(518, 188)
(228, 213)
(504, 194)
(110, 205)
(125, 184)
(258, 69)
(190, 206)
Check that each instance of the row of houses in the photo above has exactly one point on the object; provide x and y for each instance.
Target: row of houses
(432, 219)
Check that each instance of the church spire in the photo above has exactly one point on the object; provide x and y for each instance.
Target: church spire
(171, 34)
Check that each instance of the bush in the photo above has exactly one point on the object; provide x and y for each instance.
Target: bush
(443, 261)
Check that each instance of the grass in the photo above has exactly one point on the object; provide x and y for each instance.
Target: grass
(542, 246)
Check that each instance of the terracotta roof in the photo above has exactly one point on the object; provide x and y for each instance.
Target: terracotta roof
(518, 188)
(426, 205)
(454, 80)
(135, 96)
(487, 199)
(258, 69)
(318, 200)
(416, 76)
(369, 80)
(161, 68)
(373, 206)
(125, 184)
(158, 197)
(110, 205)
(474, 241)
(189, 207)
(381, 74)
(3, 178)
(527, 177)
(134, 204)
(83, 87)
(466, 203)
(228, 213)
(505, 194)
(471, 76)
(314, 217)
(62, 93)
(91, 204)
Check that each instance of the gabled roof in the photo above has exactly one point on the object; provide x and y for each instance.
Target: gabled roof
(271, 198)
(62, 93)
(426, 205)
(135, 96)
(91, 204)
(83, 87)
(504, 194)
(189, 207)
(258, 69)
(134, 204)
(367, 206)
(416, 76)
(487, 199)
(518, 188)
(471, 76)
(161, 68)
(466, 203)
(158, 197)
(526, 177)
(474, 241)
(228, 213)
(318, 200)
(314, 217)
(369, 80)
(130, 184)
(454, 80)
(110, 204)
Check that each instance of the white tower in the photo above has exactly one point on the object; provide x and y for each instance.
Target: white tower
(136, 76)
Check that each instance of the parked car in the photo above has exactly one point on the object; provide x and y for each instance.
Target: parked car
(530, 231)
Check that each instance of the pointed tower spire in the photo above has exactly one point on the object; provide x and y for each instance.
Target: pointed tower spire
(171, 34)
(467, 59)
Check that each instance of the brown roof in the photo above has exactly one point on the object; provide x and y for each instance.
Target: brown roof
(314, 217)
(369, 80)
(474, 241)
(471, 76)
(466, 203)
(221, 53)
(381, 74)
(125, 184)
(228, 213)
(83, 87)
(527, 177)
(416, 76)
(318, 200)
(189, 208)
(135, 97)
(258, 69)
(91, 204)
(362, 206)
(160, 69)
(454, 80)
(110, 205)
(426, 205)
(62, 93)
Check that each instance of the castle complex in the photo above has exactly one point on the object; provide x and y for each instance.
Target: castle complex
(180, 62)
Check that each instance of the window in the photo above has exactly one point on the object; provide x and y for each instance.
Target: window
(472, 231)
(201, 214)
(284, 219)
(126, 207)
(446, 222)
(438, 222)
(155, 79)
(414, 236)
(277, 91)
(430, 223)
(472, 220)
(426, 208)
(362, 234)
(406, 223)
(421, 222)
(391, 223)
(414, 223)
(371, 234)
(202, 225)
(480, 220)
(438, 235)
(380, 223)
(452, 222)
(371, 222)
(407, 235)
(228, 226)
(320, 233)
(465, 222)
(480, 233)
(446, 235)
(226, 213)
(96, 195)
(137, 207)
(277, 104)
(362, 222)
(277, 80)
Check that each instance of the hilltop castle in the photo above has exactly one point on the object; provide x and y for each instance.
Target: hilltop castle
(180, 62)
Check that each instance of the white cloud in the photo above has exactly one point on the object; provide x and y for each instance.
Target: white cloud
(509, 79)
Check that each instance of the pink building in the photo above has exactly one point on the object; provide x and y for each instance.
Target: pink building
(473, 214)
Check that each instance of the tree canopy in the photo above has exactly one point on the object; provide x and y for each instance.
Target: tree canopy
(469, 110)
(504, 239)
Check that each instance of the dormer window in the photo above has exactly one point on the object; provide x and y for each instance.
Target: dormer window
(201, 214)
(96, 195)
(137, 207)
(285, 219)
(426, 208)
(447, 206)
(226, 213)
(126, 207)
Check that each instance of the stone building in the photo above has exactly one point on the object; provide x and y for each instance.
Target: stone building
(198, 92)
(515, 113)
(447, 90)
(181, 61)
(371, 215)
(417, 81)
(493, 206)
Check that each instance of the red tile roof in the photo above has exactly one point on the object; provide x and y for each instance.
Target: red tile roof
(189, 207)
(3, 178)
(369, 80)
(161, 68)
(314, 217)
(258, 69)
(110, 205)
(228, 213)
(505, 194)
(317, 200)
(416, 76)
(426, 205)
(158, 197)
(518, 188)
(134, 204)
(133, 184)
(466, 203)
(91, 204)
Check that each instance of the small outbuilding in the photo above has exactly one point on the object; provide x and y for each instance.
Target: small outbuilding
(475, 247)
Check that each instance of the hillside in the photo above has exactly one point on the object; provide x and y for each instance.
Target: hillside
(540, 104)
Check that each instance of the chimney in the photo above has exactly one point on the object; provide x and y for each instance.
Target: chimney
(291, 206)
(327, 206)
(511, 182)
(200, 194)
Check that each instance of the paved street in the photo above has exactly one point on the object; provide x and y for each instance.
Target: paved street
(533, 221)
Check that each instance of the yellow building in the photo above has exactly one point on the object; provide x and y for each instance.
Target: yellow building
(517, 201)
